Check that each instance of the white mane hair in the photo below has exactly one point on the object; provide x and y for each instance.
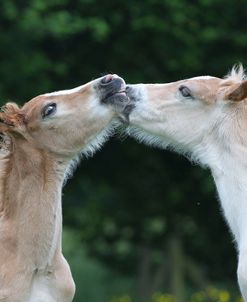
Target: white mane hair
(237, 73)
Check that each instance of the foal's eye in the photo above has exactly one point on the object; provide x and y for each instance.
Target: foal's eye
(185, 91)
(49, 110)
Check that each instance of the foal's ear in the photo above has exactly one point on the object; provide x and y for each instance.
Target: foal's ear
(11, 117)
(239, 93)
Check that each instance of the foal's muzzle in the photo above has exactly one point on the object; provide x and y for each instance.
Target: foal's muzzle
(112, 91)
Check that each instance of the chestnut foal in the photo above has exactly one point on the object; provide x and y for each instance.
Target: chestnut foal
(205, 118)
(38, 143)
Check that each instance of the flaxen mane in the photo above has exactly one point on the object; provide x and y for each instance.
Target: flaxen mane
(237, 73)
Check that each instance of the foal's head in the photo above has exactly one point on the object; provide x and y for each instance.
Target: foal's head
(199, 116)
(70, 121)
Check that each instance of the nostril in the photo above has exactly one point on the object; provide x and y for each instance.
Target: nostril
(107, 79)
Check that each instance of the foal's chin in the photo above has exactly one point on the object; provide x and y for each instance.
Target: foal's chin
(122, 105)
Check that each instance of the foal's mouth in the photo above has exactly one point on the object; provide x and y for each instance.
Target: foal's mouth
(121, 103)
(113, 92)
(120, 93)
(133, 93)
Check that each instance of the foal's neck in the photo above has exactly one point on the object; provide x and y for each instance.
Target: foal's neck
(32, 203)
(231, 181)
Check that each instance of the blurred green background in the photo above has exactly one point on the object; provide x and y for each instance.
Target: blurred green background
(140, 224)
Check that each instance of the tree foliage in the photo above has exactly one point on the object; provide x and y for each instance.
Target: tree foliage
(130, 200)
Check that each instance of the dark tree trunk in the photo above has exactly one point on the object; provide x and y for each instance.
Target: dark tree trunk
(144, 274)
(177, 270)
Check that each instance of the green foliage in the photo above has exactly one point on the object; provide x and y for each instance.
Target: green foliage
(128, 203)
(94, 281)
(211, 294)
(111, 287)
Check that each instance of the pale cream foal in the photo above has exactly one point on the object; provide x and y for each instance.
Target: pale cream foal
(204, 118)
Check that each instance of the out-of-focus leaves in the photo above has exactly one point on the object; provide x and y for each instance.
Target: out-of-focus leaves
(129, 195)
